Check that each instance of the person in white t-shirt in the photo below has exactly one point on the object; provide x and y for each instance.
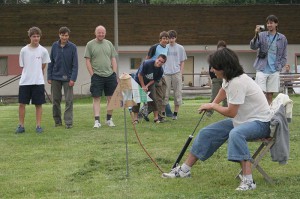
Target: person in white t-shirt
(173, 71)
(248, 115)
(33, 60)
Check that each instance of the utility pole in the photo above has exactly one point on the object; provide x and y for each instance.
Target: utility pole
(116, 33)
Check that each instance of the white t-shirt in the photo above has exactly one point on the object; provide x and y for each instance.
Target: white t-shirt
(31, 60)
(243, 91)
(176, 54)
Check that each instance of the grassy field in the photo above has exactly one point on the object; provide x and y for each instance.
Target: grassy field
(83, 162)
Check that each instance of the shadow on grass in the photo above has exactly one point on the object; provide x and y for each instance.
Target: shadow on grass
(90, 169)
(85, 172)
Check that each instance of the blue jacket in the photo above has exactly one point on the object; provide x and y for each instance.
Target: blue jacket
(262, 44)
(64, 62)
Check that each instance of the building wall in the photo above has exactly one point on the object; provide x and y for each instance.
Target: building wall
(199, 28)
(141, 24)
(246, 57)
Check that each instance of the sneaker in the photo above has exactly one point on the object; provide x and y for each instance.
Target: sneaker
(69, 126)
(110, 123)
(20, 129)
(140, 116)
(39, 129)
(177, 173)
(97, 124)
(135, 122)
(144, 113)
(146, 118)
(162, 119)
(174, 117)
(246, 185)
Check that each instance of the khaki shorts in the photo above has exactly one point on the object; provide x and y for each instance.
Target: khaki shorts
(174, 81)
(269, 83)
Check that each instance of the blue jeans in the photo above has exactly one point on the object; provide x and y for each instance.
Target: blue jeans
(210, 138)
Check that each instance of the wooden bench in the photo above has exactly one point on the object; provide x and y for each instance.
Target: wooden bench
(290, 81)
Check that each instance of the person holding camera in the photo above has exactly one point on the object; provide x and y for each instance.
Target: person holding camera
(271, 56)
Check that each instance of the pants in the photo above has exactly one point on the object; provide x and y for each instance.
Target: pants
(210, 138)
(175, 81)
(56, 90)
(216, 85)
(160, 94)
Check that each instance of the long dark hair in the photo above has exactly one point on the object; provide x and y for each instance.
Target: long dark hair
(226, 60)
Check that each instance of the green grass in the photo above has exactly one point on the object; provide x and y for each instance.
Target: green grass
(83, 162)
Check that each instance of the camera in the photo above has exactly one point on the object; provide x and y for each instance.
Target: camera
(262, 54)
(261, 27)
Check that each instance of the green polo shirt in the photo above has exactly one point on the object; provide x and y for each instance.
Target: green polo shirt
(100, 54)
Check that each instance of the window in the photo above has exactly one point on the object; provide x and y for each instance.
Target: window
(135, 63)
(3, 66)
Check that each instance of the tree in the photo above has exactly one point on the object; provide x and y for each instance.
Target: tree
(204, 2)
(223, 2)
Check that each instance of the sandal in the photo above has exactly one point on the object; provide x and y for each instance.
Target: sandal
(135, 122)
(156, 121)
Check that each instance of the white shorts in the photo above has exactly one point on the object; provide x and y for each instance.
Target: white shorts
(269, 83)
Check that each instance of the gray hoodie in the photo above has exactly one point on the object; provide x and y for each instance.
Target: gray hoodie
(281, 148)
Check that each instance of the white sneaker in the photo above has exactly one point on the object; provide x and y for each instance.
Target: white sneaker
(177, 173)
(97, 124)
(110, 123)
(246, 185)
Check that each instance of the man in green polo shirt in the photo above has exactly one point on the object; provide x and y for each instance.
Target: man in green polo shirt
(101, 64)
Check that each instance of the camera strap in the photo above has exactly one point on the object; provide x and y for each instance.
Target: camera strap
(272, 41)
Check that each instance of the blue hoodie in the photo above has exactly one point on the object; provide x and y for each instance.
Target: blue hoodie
(64, 62)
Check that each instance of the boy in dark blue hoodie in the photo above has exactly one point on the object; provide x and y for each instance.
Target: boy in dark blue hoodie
(62, 73)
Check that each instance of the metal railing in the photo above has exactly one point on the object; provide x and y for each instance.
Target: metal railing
(11, 80)
(15, 78)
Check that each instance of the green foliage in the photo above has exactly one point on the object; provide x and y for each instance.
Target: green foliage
(87, 1)
(83, 162)
(204, 2)
(220, 2)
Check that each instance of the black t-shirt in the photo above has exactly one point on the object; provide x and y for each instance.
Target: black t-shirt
(149, 72)
(152, 50)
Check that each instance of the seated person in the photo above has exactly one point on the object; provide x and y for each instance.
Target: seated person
(148, 73)
(287, 83)
(249, 118)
